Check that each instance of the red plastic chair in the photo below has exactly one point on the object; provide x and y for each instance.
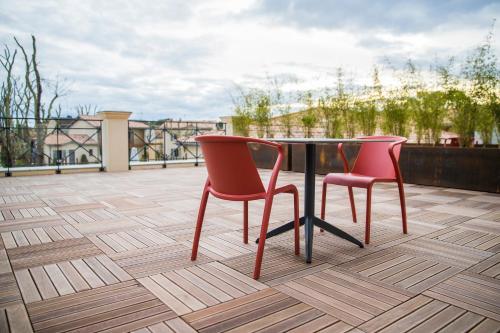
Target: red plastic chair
(376, 162)
(232, 175)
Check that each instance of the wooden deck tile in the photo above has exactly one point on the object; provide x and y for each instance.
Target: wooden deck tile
(39, 235)
(14, 319)
(438, 218)
(72, 248)
(425, 315)
(197, 287)
(278, 265)
(348, 297)
(176, 325)
(26, 213)
(121, 307)
(472, 292)
(489, 267)
(90, 215)
(456, 255)
(264, 311)
(407, 271)
(128, 240)
(48, 253)
(154, 260)
(9, 292)
(63, 278)
(185, 231)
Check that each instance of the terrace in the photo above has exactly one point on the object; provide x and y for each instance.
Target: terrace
(110, 252)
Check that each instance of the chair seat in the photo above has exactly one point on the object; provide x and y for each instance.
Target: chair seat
(352, 179)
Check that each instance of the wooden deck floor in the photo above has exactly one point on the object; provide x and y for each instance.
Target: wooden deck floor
(110, 252)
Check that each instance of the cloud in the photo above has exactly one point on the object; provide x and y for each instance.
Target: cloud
(391, 15)
(181, 59)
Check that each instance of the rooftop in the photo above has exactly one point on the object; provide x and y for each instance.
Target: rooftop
(110, 251)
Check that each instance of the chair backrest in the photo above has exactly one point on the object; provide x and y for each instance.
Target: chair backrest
(373, 157)
(231, 169)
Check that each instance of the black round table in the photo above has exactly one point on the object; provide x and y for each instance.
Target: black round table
(310, 219)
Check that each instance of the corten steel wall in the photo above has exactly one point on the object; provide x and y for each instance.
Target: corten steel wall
(476, 169)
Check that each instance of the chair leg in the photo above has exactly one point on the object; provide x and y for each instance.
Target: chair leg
(296, 221)
(403, 206)
(353, 206)
(262, 240)
(199, 222)
(245, 222)
(368, 214)
(323, 201)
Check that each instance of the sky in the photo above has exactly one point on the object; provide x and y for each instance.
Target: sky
(185, 58)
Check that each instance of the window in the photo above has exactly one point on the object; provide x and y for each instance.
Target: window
(91, 152)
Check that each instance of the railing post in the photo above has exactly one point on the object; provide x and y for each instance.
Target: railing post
(9, 156)
(164, 131)
(196, 144)
(99, 137)
(115, 140)
(58, 170)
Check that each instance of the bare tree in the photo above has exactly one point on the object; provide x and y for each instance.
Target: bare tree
(33, 83)
(86, 110)
(7, 94)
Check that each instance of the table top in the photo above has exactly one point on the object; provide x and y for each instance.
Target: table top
(327, 140)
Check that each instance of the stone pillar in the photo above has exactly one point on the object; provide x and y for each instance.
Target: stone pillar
(229, 124)
(115, 140)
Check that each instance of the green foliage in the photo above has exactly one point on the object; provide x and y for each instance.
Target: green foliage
(366, 116)
(241, 122)
(342, 103)
(396, 116)
(482, 74)
(308, 118)
(463, 116)
(286, 120)
(367, 110)
(468, 101)
(262, 113)
(331, 116)
(429, 111)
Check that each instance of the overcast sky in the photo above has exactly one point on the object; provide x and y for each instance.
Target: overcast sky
(182, 58)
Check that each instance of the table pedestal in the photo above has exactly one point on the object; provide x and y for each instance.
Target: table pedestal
(309, 219)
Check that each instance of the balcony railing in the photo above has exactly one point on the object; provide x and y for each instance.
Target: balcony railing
(158, 142)
(54, 144)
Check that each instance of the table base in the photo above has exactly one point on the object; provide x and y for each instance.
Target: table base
(308, 237)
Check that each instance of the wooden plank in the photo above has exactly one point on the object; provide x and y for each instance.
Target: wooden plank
(439, 321)
(218, 294)
(166, 297)
(416, 317)
(18, 319)
(90, 277)
(182, 295)
(76, 280)
(100, 270)
(43, 283)
(179, 326)
(114, 268)
(463, 324)
(393, 315)
(59, 280)
(27, 286)
(186, 285)
(216, 282)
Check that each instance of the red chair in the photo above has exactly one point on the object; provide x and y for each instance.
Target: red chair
(232, 175)
(376, 162)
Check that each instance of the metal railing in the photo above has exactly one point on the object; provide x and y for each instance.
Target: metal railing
(54, 144)
(158, 142)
